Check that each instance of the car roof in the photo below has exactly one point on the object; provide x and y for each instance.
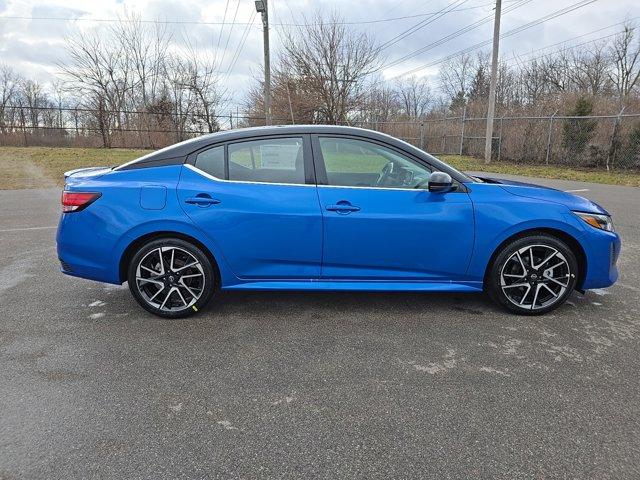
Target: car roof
(187, 147)
(241, 133)
(178, 152)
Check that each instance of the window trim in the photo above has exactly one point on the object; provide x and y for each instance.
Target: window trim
(307, 160)
(321, 172)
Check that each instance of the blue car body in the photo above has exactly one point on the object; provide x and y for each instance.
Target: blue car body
(313, 236)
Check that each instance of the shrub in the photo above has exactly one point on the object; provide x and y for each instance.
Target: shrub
(631, 153)
(578, 132)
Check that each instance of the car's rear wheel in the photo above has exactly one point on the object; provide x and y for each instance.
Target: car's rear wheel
(533, 275)
(171, 278)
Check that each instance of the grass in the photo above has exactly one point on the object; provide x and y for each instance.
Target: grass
(470, 164)
(33, 167)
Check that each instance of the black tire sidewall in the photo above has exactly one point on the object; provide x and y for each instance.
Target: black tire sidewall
(209, 276)
(493, 281)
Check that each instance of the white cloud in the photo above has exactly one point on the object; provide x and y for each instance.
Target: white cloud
(34, 46)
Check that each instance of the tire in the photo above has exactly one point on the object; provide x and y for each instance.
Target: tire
(527, 289)
(178, 287)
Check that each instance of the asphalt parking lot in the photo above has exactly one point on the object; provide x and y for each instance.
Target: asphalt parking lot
(284, 385)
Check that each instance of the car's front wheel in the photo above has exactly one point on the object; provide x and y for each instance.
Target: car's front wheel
(533, 274)
(171, 278)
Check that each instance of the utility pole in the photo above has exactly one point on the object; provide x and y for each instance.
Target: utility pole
(262, 7)
(492, 86)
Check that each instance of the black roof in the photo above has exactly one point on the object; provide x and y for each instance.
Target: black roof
(181, 150)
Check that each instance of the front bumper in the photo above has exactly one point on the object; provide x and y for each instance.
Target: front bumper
(602, 250)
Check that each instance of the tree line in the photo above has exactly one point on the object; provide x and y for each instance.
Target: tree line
(328, 73)
(123, 81)
(131, 84)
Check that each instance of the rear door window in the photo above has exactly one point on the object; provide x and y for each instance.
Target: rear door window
(273, 160)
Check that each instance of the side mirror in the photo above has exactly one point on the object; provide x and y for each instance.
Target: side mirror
(440, 182)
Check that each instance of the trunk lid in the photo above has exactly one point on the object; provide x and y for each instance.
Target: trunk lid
(80, 174)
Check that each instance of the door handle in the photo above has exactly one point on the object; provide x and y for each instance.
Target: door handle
(202, 200)
(342, 207)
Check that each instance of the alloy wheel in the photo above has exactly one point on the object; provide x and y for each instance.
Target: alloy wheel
(170, 279)
(535, 277)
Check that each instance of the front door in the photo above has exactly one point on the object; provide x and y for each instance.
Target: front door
(380, 222)
(257, 201)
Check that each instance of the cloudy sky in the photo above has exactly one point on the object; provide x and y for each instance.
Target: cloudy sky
(33, 32)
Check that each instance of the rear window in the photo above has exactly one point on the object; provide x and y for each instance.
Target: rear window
(212, 161)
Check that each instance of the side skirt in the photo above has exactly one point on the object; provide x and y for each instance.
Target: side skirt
(368, 286)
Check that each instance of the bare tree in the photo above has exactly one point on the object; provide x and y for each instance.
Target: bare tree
(293, 100)
(201, 82)
(532, 84)
(625, 53)
(554, 70)
(456, 76)
(9, 82)
(99, 73)
(33, 100)
(380, 105)
(588, 70)
(333, 60)
(415, 96)
(130, 78)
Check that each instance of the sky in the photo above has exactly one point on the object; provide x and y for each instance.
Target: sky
(34, 44)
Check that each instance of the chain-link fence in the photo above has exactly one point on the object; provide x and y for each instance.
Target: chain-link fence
(601, 142)
(85, 127)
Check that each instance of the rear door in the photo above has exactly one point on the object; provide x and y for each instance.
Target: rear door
(256, 199)
(380, 221)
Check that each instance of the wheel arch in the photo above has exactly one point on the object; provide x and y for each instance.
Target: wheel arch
(567, 238)
(131, 249)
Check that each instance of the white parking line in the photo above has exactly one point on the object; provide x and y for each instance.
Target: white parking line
(578, 190)
(27, 228)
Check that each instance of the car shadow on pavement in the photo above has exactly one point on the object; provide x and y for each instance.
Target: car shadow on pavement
(394, 303)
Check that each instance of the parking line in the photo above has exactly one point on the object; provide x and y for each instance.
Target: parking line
(578, 190)
(27, 228)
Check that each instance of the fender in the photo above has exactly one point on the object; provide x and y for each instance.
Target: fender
(169, 226)
(498, 223)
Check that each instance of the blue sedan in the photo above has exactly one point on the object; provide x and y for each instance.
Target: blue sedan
(325, 208)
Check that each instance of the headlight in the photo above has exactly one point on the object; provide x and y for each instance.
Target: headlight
(602, 222)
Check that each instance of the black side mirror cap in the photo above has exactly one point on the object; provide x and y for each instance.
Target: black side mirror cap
(440, 182)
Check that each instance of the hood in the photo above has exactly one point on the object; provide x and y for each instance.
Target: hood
(547, 194)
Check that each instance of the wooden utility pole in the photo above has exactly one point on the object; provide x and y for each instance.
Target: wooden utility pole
(262, 7)
(492, 86)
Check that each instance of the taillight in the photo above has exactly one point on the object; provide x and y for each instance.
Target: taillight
(76, 201)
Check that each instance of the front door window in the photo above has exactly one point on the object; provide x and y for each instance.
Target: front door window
(357, 163)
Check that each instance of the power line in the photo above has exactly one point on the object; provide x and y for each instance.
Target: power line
(236, 56)
(198, 22)
(527, 56)
(421, 24)
(220, 33)
(224, 52)
(569, 47)
(453, 35)
(526, 26)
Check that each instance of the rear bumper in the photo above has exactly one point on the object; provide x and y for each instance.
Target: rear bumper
(84, 251)
(602, 251)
